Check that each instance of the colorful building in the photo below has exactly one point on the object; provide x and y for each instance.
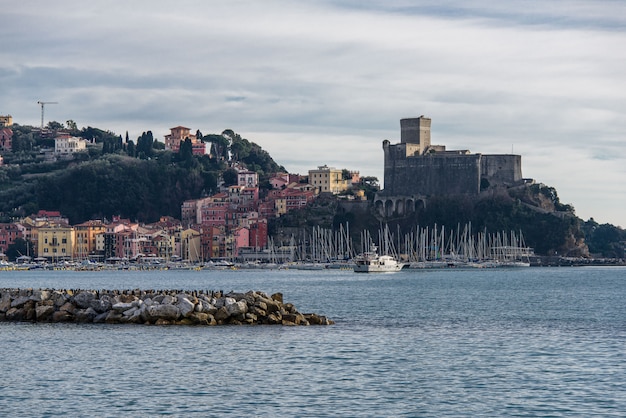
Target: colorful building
(6, 121)
(258, 234)
(86, 238)
(247, 178)
(178, 134)
(6, 138)
(213, 211)
(9, 232)
(290, 198)
(56, 241)
(328, 180)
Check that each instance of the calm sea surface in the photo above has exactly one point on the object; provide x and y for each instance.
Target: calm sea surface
(510, 342)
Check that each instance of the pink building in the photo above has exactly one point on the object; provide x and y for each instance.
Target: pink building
(244, 197)
(267, 209)
(8, 234)
(191, 211)
(213, 211)
(50, 216)
(180, 133)
(241, 239)
(6, 137)
(258, 234)
(295, 198)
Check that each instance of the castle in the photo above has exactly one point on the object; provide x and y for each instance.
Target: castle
(416, 170)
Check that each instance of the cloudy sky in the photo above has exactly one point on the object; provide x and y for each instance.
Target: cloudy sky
(324, 82)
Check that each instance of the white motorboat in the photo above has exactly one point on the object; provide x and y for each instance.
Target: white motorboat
(371, 262)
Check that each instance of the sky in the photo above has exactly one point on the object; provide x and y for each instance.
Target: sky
(325, 82)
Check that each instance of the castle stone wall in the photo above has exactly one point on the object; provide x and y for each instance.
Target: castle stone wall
(432, 175)
(501, 169)
(416, 170)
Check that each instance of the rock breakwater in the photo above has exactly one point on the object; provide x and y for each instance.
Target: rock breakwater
(158, 307)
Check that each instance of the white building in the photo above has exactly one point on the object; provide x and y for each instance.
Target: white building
(247, 178)
(67, 145)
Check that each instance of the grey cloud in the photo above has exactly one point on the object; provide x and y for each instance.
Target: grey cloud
(544, 77)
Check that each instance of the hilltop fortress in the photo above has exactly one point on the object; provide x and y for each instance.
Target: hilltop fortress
(416, 170)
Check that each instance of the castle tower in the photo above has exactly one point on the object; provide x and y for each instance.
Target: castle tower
(416, 169)
(416, 131)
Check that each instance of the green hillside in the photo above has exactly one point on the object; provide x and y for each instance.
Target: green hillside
(138, 180)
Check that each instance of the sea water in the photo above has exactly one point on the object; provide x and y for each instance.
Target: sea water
(492, 342)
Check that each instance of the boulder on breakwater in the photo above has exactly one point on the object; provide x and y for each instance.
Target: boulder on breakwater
(160, 307)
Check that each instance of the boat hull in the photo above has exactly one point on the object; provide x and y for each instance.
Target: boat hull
(377, 269)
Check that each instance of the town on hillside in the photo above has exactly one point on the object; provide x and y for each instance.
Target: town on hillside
(231, 224)
(217, 197)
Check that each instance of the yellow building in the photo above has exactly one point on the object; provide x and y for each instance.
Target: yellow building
(163, 244)
(280, 205)
(6, 121)
(328, 180)
(86, 238)
(178, 134)
(56, 242)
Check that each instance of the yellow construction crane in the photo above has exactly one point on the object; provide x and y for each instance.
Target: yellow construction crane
(42, 106)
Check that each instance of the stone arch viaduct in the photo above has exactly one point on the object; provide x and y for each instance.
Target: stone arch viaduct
(389, 206)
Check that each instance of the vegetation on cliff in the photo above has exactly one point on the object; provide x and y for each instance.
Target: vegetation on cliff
(604, 240)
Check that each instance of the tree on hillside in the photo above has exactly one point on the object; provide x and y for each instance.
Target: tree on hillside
(606, 240)
(53, 125)
(72, 127)
(111, 144)
(219, 145)
(230, 177)
(114, 184)
(369, 185)
(185, 152)
(251, 154)
(22, 141)
(145, 145)
(130, 148)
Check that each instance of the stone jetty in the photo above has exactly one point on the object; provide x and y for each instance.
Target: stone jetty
(158, 307)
